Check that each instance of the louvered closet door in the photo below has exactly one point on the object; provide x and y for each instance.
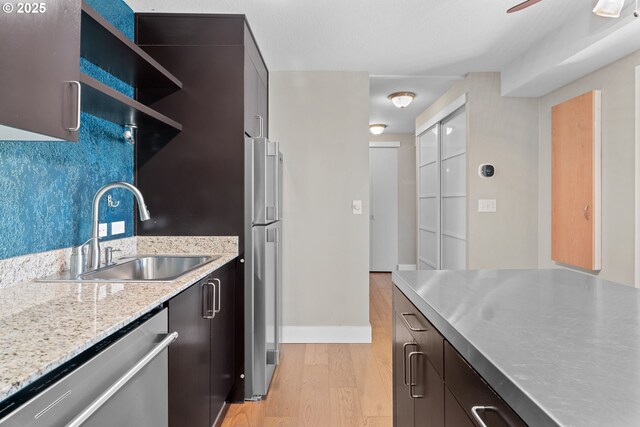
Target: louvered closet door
(429, 195)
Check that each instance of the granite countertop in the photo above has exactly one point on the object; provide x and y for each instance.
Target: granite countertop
(43, 325)
(560, 347)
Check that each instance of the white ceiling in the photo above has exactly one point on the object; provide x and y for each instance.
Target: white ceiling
(447, 38)
(385, 37)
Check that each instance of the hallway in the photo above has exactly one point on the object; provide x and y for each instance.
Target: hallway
(331, 385)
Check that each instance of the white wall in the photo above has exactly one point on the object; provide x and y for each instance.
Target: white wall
(406, 194)
(504, 132)
(617, 83)
(321, 121)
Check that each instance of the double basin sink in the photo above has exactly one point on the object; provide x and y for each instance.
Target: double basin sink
(144, 268)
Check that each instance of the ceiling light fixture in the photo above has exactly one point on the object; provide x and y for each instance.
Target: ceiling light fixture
(402, 99)
(377, 128)
(612, 8)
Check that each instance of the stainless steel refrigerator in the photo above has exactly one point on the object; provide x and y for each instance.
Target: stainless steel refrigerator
(263, 264)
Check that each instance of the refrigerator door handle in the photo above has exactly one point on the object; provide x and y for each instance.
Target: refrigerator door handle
(277, 189)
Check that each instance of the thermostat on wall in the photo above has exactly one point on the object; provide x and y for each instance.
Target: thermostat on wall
(486, 170)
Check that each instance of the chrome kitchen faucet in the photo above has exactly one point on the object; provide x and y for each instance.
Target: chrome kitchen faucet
(78, 260)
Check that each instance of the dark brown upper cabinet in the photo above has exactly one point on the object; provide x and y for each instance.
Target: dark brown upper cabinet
(256, 116)
(40, 72)
(42, 84)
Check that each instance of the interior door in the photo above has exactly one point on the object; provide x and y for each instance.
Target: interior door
(383, 167)
(575, 181)
(40, 70)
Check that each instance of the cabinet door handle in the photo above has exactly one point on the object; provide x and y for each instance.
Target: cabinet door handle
(404, 362)
(208, 313)
(261, 121)
(586, 212)
(217, 308)
(476, 409)
(412, 382)
(406, 322)
(77, 127)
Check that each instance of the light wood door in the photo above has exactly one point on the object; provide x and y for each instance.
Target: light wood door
(575, 208)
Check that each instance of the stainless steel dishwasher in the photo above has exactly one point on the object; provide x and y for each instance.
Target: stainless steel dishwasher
(124, 382)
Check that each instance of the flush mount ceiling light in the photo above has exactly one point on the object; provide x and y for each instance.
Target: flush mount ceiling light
(377, 128)
(609, 8)
(604, 8)
(402, 99)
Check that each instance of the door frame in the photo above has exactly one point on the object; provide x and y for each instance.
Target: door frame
(385, 144)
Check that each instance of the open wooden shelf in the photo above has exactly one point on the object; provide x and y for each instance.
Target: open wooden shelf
(109, 49)
(102, 101)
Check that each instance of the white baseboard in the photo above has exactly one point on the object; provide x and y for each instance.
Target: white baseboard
(326, 334)
(402, 267)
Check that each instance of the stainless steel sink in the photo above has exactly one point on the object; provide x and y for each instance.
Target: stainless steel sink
(146, 268)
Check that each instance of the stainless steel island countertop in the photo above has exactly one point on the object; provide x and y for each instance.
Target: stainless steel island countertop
(560, 347)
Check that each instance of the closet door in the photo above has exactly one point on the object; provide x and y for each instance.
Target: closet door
(453, 143)
(442, 194)
(428, 200)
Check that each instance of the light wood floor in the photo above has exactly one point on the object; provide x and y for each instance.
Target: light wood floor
(330, 385)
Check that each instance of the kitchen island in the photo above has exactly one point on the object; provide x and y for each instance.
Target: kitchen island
(561, 348)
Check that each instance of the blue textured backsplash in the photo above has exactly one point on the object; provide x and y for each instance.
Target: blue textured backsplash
(46, 188)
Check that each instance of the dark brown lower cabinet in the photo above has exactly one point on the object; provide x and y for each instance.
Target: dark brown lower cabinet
(418, 389)
(474, 395)
(222, 340)
(454, 414)
(403, 403)
(201, 367)
(433, 386)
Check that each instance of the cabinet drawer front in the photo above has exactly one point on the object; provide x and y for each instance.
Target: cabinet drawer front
(454, 414)
(474, 394)
(425, 334)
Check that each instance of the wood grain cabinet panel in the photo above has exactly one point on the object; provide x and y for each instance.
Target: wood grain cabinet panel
(40, 57)
(418, 388)
(576, 182)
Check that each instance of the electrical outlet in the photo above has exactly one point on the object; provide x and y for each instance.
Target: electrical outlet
(102, 230)
(117, 227)
(487, 205)
(356, 207)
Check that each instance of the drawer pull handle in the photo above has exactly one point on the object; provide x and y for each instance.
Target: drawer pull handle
(476, 409)
(406, 322)
(414, 383)
(404, 361)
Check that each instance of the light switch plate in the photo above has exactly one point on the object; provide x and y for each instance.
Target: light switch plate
(487, 205)
(356, 206)
(102, 230)
(117, 227)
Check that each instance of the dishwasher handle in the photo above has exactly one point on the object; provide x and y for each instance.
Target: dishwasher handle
(123, 380)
